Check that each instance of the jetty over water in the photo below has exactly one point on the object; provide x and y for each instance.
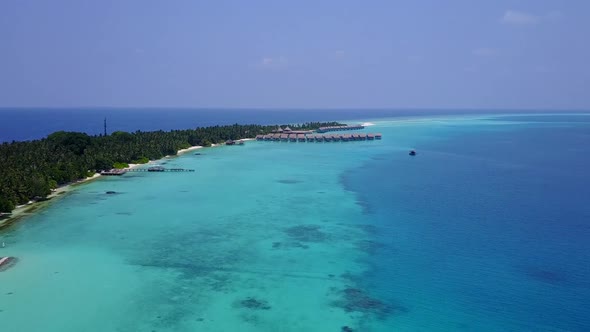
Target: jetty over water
(318, 137)
(158, 169)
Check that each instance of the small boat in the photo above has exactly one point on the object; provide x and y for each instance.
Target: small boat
(6, 262)
(412, 152)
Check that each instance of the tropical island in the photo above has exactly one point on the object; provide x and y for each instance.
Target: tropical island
(30, 170)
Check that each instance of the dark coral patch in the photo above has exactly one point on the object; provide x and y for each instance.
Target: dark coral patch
(357, 300)
(300, 245)
(253, 304)
(306, 233)
(368, 246)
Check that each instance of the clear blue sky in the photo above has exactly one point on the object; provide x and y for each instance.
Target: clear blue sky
(291, 54)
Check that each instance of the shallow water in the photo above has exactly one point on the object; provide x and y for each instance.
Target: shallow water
(484, 230)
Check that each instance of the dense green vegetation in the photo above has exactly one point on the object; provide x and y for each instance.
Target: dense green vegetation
(29, 170)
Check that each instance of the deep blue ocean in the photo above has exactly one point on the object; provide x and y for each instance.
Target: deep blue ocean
(486, 229)
(488, 221)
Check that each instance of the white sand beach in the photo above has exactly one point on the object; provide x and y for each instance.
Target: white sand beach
(192, 148)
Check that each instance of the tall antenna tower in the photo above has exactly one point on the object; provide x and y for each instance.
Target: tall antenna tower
(105, 126)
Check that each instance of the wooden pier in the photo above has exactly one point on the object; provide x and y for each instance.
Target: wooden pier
(158, 169)
(318, 138)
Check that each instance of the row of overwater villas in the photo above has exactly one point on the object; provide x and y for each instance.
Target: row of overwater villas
(317, 138)
(339, 128)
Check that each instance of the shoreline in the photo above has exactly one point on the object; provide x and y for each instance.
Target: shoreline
(192, 148)
(31, 207)
(28, 209)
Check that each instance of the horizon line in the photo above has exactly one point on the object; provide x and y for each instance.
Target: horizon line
(299, 108)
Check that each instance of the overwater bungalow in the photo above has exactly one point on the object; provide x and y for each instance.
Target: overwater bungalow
(230, 142)
(259, 137)
(318, 138)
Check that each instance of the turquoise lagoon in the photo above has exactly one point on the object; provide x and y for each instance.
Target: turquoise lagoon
(486, 229)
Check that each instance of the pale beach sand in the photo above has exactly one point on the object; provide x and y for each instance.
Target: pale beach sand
(192, 148)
